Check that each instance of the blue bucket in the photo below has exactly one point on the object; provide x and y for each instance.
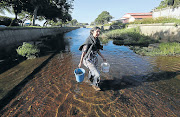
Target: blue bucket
(79, 73)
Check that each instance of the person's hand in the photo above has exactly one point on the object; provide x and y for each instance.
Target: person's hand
(80, 64)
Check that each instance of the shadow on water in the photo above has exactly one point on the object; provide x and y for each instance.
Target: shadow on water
(47, 45)
(128, 71)
(9, 59)
(127, 68)
(131, 81)
(53, 45)
(15, 91)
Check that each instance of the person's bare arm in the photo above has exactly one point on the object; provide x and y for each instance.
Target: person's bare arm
(81, 60)
(101, 56)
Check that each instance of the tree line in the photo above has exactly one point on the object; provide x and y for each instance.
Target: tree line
(55, 10)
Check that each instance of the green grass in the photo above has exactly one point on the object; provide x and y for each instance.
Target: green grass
(167, 49)
(34, 26)
(126, 36)
(164, 49)
(157, 20)
(120, 33)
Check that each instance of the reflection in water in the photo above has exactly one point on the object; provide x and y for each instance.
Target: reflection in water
(47, 45)
(167, 63)
(168, 77)
(124, 62)
(129, 70)
(135, 86)
(52, 44)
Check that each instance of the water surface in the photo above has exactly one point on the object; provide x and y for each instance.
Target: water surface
(135, 86)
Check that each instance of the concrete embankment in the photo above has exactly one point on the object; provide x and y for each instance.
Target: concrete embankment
(167, 32)
(12, 36)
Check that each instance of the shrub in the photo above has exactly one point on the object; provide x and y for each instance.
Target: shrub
(7, 21)
(164, 49)
(28, 50)
(130, 36)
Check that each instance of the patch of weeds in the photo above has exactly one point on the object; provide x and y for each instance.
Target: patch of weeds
(28, 50)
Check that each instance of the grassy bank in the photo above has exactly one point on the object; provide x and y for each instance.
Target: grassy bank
(157, 20)
(127, 37)
(163, 49)
(141, 44)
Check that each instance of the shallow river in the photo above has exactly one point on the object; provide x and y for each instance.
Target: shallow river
(135, 86)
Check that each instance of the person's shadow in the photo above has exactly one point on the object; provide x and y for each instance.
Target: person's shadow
(136, 80)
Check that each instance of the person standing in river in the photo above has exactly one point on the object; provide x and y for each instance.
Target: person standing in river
(90, 50)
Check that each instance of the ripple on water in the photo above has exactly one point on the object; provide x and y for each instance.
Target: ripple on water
(135, 86)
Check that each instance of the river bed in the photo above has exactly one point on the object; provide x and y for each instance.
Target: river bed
(135, 85)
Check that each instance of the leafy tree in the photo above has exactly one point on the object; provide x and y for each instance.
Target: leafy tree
(57, 10)
(92, 23)
(176, 3)
(16, 6)
(163, 4)
(5, 20)
(170, 2)
(166, 3)
(103, 18)
(4, 6)
(47, 9)
(74, 22)
(24, 16)
(33, 7)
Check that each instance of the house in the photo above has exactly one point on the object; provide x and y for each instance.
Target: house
(114, 21)
(131, 17)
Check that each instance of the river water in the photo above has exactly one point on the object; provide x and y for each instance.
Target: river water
(128, 70)
(125, 64)
(135, 85)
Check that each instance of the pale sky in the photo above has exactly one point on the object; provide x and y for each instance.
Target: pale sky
(86, 11)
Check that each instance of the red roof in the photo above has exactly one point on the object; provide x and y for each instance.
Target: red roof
(132, 14)
(142, 16)
(125, 17)
(138, 15)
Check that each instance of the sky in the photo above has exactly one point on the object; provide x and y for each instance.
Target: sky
(86, 11)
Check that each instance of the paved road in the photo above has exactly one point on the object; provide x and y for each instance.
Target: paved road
(53, 92)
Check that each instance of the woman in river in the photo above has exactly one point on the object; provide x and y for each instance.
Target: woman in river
(90, 49)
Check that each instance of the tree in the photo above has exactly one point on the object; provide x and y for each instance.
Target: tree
(92, 23)
(16, 6)
(170, 2)
(103, 18)
(34, 6)
(176, 3)
(74, 22)
(4, 7)
(53, 9)
(47, 9)
(166, 3)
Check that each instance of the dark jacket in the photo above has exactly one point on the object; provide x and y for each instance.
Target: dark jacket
(92, 44)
